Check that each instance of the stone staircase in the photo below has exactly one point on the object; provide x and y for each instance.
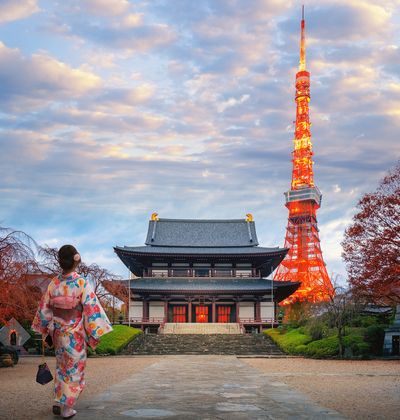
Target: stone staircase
(233, 344)
(200, 328)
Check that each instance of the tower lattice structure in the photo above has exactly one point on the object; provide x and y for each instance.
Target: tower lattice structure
(304, 261)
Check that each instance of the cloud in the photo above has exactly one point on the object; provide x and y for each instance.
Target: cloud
(232, 102)
(133, 38)
(28, 82)
(11, 10)
(103, 7)
(187, 108)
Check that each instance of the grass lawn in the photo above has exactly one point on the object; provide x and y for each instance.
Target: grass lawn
(116, 340)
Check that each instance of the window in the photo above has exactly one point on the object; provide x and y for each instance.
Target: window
(179, 272)
(201, 272)
(243, 273)
(222, 272)
(159, 273)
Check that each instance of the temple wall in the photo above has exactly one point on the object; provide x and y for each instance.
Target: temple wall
(156, 310)
(267, 310)
(136, 309)
(246, 310)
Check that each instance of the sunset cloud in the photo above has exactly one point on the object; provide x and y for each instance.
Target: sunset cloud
(14, 10)
(40, 79)
(114, 109)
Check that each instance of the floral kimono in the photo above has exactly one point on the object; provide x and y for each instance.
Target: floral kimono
(72, 328)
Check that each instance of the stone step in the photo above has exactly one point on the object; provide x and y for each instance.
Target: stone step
(238, 344)
(201, 328)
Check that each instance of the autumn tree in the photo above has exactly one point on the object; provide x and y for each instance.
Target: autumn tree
(340, 307)
(371, 245)
(19, 293)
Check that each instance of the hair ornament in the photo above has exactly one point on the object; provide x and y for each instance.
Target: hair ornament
(77, 257)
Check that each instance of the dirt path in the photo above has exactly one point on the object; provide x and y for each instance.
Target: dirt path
(22, 398)
(357, 389)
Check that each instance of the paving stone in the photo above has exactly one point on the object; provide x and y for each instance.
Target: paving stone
(201, 387)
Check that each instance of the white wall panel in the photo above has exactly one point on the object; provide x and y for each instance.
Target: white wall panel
(246, 310)
(136, 309)
(156, 310)
(267, 310)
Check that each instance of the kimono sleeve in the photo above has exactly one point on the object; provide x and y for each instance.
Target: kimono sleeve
(95, 320)
(44, 315)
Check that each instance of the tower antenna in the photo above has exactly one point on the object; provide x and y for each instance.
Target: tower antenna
(302, 63)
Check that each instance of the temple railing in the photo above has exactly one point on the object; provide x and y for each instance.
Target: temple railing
(147, 320)
(249, 321)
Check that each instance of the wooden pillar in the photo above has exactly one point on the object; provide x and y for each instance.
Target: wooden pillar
(166, 310)
(258, 310)
(190, 310)
(213, 309)
(145, 310)
(237, 311)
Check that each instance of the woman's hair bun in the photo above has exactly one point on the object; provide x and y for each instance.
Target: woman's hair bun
(66, 256)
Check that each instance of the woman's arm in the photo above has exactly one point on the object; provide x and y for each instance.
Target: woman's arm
(95, 320)
(44, 314)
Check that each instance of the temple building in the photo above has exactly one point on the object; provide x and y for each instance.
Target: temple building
(203, 271)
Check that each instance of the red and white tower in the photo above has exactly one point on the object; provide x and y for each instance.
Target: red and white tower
(304, 260)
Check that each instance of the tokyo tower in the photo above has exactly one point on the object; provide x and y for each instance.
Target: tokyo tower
(303, 261)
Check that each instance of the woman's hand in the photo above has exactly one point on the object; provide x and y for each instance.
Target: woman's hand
(48, 341)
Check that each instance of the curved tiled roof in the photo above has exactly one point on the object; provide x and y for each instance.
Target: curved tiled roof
(199, 250)
(186, 285)
(201, 233)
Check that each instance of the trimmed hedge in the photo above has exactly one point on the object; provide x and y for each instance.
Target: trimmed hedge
(116, 340)
(324, 348)
(290, 341)
(374, 336)
(294, 342)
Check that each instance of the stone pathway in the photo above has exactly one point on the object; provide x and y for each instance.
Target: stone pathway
(201, 387)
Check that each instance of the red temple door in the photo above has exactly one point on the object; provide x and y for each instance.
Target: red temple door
(201, 313)
(224, 314)
(179, 313)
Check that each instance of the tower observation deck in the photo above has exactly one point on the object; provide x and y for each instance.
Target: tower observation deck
(304, 261)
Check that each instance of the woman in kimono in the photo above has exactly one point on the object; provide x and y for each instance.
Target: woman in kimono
(71, 315)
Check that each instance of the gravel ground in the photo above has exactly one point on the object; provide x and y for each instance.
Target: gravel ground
(356, 389)
(22, 398)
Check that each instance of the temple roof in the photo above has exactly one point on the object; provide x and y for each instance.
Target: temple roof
(188, 240)
(170, 285)
(188, 250)
(201, 233)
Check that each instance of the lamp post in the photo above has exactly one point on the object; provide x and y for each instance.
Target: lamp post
(129, 301)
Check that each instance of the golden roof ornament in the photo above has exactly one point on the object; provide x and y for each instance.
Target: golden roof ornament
(249, 217)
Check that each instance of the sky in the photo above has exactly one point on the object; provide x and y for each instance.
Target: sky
(114, 109)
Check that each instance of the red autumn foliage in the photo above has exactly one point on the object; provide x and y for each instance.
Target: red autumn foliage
(371, 245)
(20, 277)
(24, 279)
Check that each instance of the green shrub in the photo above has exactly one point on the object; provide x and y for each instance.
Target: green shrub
(116, 340)
(317, 329)
(374, 336)
(301, 349)
(326, 347)
(357, 345)
(289, 341)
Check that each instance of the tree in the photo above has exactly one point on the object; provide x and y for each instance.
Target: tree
(371, 245)
(340, 308)
(19, 293)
